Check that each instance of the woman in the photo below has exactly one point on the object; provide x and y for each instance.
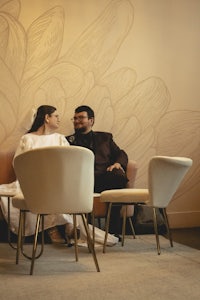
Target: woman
(42, 134)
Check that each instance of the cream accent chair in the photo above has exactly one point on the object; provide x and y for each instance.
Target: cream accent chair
(55, 180)
(164, 177)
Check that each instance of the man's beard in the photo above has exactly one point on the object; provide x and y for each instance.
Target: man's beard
(81, 130)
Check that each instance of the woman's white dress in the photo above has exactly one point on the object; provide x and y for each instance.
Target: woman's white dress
(31, 141)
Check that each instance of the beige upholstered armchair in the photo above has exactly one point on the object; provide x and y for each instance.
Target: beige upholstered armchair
(48, 179)
(165, 174)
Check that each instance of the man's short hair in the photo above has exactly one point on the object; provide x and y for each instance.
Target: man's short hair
(86, 108)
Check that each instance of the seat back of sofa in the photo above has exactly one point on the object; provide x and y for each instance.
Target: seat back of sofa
(7, 174)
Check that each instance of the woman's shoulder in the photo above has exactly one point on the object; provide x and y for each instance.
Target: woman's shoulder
(57, 134)
(26, 136)
(61, 138)
(25, 143)
(29, 139)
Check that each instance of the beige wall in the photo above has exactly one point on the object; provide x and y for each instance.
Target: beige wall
(136, 62)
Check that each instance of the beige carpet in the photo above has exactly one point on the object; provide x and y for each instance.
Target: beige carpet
(134, 271)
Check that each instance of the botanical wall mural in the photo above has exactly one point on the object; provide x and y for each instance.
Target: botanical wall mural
(34, 71)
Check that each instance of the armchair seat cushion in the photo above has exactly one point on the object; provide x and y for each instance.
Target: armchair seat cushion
(125, 196)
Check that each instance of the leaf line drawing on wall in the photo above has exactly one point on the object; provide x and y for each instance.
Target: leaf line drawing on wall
(137, 113)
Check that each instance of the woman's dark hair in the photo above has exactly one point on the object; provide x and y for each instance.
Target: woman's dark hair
(42, 111)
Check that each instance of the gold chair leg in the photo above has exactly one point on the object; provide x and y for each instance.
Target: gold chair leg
(167, 225)
(90, 242)
(35, 243)
(92, 219)
(124, 225)
(107, 226)
(132, 227)
(87, 220)
(19, 237)
(9, 236)
(23, 238)
(75, 238)
(156, 230)
(93, 226)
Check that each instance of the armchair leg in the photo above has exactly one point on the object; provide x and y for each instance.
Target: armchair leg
(35, 243)
(156, 230)
(93, 226)
(19, 238)
(75, 237)
(90, 242)
(107, 226)
(9, 232)
(124, 225)
(132, 228)
(167, 225)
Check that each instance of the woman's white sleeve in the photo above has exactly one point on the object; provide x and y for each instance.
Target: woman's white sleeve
(25, 144)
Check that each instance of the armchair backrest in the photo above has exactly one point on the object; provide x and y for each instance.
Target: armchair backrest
(165, 175)
(57, 179)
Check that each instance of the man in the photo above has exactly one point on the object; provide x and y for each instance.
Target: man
(110, 160)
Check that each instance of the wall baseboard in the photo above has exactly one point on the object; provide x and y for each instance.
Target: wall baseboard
(184, 219)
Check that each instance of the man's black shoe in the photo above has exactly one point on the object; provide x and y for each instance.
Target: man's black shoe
(118, 236)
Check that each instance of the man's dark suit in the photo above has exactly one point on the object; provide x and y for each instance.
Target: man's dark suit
(106, 154)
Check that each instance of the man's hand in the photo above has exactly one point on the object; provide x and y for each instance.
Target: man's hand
(115, 166)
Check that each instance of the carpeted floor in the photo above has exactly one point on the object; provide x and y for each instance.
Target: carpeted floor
(134, 271)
